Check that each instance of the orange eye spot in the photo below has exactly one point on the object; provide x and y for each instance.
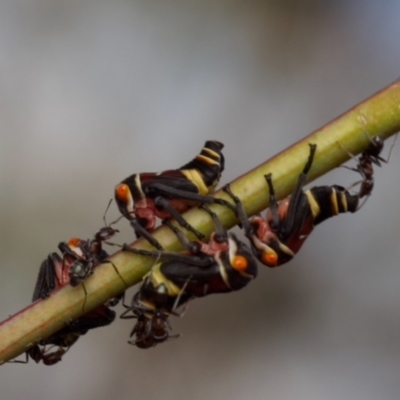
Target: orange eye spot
(121, 192)
(240, 263)
(270, 259)
(74, 242)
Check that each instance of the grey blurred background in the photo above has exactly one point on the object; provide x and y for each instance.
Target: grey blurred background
(91, 92)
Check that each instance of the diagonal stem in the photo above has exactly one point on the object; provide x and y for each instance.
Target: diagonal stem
(380, 114)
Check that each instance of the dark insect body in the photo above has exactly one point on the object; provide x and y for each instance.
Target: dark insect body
(151, 327)
(39, 353)
(141, 198)
(222, 265)
(63, 339)
(276, 238)
(84, 255)
(365, 165)
(55, 273)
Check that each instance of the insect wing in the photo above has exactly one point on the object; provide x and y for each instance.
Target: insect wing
(197, 281)
(171, 179)
(47, 280)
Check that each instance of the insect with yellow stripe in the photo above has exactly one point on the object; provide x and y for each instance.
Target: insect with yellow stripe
(144, 197)
(221, 265)
(277, 237)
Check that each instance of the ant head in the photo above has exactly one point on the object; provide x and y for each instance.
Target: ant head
(105, 233)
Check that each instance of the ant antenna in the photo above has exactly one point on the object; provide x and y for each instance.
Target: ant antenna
(391, 147)
(104, 216)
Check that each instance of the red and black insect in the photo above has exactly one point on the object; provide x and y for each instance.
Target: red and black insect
(79, 257)
(222, 265)
(63, 339)
(276, 238)
(142, 198)
(53, 275)
(67, 336)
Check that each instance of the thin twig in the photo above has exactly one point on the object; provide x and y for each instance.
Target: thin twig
(380, 114)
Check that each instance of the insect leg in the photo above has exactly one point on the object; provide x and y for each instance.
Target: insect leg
(298, 192)
(221, 235)
(170, 192)
(141, 232)
(186, 243)
(166, 205)
(241, 213)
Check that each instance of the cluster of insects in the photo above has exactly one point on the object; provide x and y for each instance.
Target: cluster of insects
(221, 264)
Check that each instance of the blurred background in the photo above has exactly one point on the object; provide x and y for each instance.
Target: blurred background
(92, 91)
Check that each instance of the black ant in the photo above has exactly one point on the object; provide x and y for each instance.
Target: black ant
(370, 156)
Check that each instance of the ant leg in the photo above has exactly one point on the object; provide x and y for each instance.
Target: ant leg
(176, 302)
(84, 302)
(128, 309)
(104, 216)
(391, 148)
(105, 212)
(20, 361)
(116, 270)
(124, 303)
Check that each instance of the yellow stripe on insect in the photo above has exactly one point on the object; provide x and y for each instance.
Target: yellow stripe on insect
(195, 177)
(212, 153)
(314, 206)
(138, 183)
(222, 271)
(158, 278)
(343, 200)
(207, 160)
(335, 206)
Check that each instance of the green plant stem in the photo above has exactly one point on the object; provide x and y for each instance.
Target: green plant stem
(380, 114)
